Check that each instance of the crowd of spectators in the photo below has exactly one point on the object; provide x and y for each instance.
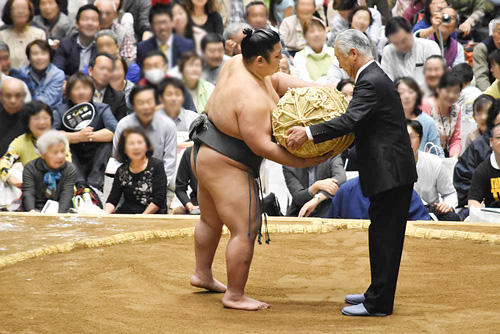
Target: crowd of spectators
(86, 81)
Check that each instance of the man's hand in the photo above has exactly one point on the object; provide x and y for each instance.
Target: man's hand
(442, 208)
(15, 182)
(329, 185)
(436, 21)
(86, 134)
(308, 208)
(230, 45)
(465, 27)
(297, 136)
(147, 35)
(190, 206)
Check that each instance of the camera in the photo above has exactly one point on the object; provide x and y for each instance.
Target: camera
(446, 18)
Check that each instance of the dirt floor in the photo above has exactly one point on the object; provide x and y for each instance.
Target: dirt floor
(444, 287)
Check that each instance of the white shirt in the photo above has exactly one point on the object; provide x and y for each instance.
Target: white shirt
(85, 54)
(361, 69)
(299, 61)
(433, 181)
(397, 65)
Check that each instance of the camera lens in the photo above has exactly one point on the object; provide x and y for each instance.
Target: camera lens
(446, 18)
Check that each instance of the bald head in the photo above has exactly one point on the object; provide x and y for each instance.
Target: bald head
(12, 95)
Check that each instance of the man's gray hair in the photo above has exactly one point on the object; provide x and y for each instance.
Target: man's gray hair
(234, 28)
(112, 2)
(353, 39)
(107, 32)
(49, 138)
(4, 47)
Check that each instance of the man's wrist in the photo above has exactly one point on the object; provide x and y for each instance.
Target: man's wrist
(309, 134)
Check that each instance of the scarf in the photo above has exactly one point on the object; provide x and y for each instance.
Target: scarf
(317, 64)
(50, 180)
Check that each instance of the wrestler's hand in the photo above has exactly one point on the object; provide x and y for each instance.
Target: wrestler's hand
(308, 208)
(297, 136)
(310, 162)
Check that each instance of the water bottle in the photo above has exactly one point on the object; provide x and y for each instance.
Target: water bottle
(87, 199)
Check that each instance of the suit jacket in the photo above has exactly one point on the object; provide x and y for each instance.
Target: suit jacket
(67, 56)
(377, 118)
(297, 181)
(180, 45)
(116, 101)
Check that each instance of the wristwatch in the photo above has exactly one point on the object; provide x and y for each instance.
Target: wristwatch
(318, 197)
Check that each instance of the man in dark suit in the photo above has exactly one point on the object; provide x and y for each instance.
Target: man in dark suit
(101, 68)
(312, 188)
(386, 166)
(75, 52)
(164, 39)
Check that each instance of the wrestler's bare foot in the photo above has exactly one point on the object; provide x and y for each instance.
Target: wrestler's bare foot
(244, 303)
(211, 284)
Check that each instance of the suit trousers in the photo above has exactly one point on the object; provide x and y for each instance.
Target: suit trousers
(388, 215)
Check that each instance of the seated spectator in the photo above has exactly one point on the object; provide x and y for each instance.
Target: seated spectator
(481, 55)
(312, 188)
(155, 67)
(6, 69)
(212, 46)
(233, 35)
(205, 15)
(469, 92)
(434, 186)
(45, 78)
(17, 15)
(119, 81)
(140, 10)
(485, 185)
(89, 143)
(432, 18)
(126, 39)
(37, 119)
(53, 22)
(62, 4)
(185, 177)
(346, 87)
(184, 26)
(480, 113)
(446, 113)
(12, 95)
(49, 177)
(350, 203)
(341, 22)
(453, 50)
(279, 10)
(164, 39)
(75, 52)
(412, 11)
(313, 62)
(494, 60)
(257, 16)
(106, 41)
(191, 67)
(159, 128)
(101, 69)
(406, 55)
(172, 98)
(478, 151)
(434, 69)
(284, 66)
(471, 11)
(411, 98)
(361, 19)
(292, 27)
(140, 179)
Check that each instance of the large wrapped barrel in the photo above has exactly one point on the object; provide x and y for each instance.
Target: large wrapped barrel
(308, 106)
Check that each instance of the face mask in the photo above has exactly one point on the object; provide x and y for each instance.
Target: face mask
(154, 76)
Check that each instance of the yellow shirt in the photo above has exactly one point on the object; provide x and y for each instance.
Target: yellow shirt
(493, 90)
(22, 149)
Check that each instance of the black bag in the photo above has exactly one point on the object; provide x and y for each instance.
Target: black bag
(271, 206)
